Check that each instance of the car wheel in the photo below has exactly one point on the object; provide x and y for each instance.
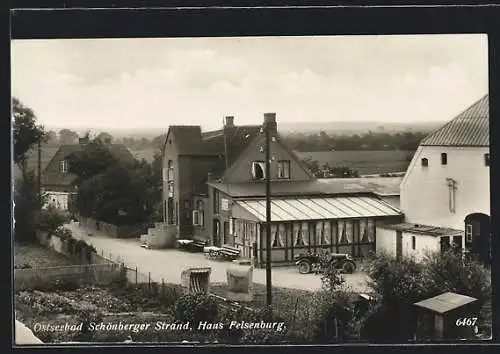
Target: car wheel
(304, 267)
(349, 267)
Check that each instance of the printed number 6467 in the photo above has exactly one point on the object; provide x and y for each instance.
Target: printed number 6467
(467, 321)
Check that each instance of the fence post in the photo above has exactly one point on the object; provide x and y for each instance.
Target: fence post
(135, 275)
(149, 281)
(162, 287)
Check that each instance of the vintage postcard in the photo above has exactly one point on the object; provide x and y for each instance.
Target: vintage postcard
(251, 190)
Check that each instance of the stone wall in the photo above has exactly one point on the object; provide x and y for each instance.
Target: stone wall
(124, 231)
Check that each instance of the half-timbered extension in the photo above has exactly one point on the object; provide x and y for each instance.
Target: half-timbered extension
(339, 223)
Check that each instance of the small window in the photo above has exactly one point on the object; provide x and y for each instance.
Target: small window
(170, 189)
(486, 159)
(63, 166)
(170, 170)
(284, 169)
(444, 158)
(258, 170)
(413, 242)
(468, 232)
(425, 162)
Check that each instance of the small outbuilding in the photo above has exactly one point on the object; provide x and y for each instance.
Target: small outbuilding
(446, 316)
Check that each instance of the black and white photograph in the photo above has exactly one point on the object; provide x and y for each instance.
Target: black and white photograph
(251, 190)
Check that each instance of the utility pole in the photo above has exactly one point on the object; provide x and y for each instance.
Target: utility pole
(268, 211)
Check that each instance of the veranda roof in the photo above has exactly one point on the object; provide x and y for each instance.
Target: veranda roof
(286, 209)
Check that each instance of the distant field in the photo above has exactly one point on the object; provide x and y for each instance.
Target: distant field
(365, 162)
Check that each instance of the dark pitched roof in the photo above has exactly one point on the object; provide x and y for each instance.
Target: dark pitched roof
(52, 175)
(469, 128)
(319, 187)
(190, 141)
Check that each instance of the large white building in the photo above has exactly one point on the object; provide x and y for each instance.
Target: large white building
(445, 194)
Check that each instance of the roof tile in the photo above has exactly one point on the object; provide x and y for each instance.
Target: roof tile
(469, 128)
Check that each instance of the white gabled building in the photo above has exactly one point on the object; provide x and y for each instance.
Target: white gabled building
(445, 194)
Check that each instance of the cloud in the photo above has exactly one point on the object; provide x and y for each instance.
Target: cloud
(156, 83)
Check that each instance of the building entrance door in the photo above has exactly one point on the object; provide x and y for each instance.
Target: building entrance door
(477, 236)
(216, 233)
(227, 236)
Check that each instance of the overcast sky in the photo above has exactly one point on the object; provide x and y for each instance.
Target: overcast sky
(154, 83)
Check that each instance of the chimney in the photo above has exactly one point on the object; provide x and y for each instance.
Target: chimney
(210, 177)
(229, 122)
(270, 121)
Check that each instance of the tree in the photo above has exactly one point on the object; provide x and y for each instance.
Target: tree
(26, 133)
(113, 192)
(94, 159)
(105, 138)
(52, 138)
(67, 136)
(28, 202)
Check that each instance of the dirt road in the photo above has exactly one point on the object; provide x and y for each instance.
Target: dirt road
(167, 264)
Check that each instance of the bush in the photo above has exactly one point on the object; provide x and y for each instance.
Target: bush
(233, 335)
(331, 278)
(327, 317)
(450, 271)
(195, 309)
(398, 284)
(64, 234)
(51, 219)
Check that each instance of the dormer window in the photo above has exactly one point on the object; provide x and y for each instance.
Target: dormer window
(258, 170)
(283, 169)
(444, 158)
(63, 166)
(425, 162)
(486, 160)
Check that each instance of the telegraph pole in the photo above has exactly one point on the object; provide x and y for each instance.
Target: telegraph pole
(268, 211)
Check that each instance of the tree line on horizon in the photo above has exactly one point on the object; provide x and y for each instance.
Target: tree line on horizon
(302, 142)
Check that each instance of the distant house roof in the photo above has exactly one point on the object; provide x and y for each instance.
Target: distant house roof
(445, 302)
(469, 128)
(53, 176)
(424, 229)
(318, 187)
(47, 154)
(381, 186)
